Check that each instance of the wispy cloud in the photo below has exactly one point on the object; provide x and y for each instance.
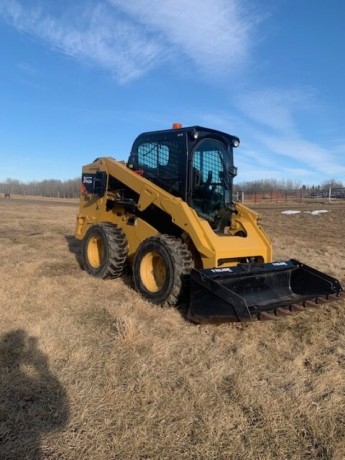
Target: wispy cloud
(97, 36)
(272, 124)
(275, 107)
(27, 69)
(214, 35)
(130, 38)
(300, 151)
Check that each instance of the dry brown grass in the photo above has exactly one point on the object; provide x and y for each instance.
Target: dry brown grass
(89, 370)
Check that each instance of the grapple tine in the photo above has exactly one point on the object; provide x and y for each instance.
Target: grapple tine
(336, 296)
(321, 301)
(283, 311)
(330, 297)
(295, 307)
(265, 316)
(310, 304)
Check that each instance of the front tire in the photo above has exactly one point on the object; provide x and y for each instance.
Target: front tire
(104, 251)
(160, 268)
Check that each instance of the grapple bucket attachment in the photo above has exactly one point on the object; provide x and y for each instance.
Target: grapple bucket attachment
(258, 291)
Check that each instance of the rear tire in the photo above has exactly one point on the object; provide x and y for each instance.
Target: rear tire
(104, 251)
(160, 269)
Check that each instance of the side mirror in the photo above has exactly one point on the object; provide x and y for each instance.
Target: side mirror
(233, 171)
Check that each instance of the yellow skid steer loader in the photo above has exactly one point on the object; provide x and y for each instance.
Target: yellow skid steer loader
(168, 214)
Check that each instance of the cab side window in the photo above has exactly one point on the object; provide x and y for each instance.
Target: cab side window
(152, 155)
(160, 163)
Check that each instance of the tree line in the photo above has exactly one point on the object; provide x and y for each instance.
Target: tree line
(71, 188)
(48, 188)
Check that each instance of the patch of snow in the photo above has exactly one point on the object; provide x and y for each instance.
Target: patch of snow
(290, 212)
(318, 211)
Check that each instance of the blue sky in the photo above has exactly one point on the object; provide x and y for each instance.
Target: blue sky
(81, 79)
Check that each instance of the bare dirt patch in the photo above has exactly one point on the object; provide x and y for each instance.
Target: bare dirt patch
(90, 370)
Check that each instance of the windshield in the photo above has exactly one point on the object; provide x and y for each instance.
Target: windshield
(210, 180)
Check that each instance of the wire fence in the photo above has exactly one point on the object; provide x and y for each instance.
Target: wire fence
(298, 196)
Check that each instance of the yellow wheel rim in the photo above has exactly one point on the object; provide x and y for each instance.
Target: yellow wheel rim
(95, 251)
(153, 272)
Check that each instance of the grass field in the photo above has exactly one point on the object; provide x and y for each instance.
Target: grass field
(89, 370)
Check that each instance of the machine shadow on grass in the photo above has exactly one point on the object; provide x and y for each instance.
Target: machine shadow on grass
(32, 400)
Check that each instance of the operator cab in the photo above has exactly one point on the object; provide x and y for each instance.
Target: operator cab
(194, 163)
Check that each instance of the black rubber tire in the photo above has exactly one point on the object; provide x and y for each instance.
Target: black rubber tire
(175, 261)
(104, 251)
